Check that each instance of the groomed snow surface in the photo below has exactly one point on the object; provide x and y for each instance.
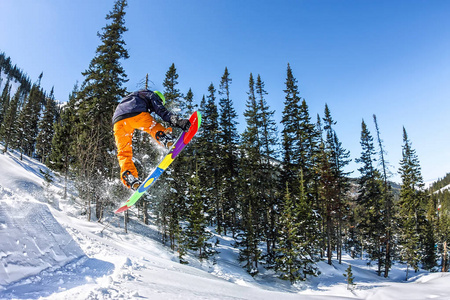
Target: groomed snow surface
(49, 251)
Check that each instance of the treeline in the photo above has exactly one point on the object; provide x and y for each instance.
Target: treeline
(441, 220)
(440, 183)
(13, 72)
(27, 113)
(282, 193)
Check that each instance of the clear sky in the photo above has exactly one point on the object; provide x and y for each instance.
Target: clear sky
(389, 58)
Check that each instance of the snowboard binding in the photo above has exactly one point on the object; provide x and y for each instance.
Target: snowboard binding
(165, 138)
(133, 182)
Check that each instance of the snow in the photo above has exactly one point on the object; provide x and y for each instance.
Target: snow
(13, 83)
(49, 251)
(445, 188)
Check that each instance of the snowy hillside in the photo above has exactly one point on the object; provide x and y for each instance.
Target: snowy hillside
(49, 251)
(445, 188)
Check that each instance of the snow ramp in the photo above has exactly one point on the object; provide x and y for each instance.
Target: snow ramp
(31, 240)
(38, 257)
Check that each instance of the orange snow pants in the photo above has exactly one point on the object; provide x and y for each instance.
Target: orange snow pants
(123, 133)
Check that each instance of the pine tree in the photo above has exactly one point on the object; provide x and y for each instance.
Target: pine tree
(4, 100)
(267, 126)
(297, 237)
(209, 151)
(290, 121)
(171, 92)
(62, 148)
(369, 210)
(327, 191)
(102, 89)
(249, 252)
(228, 140)
(349, 278)
(99, 93)
(252, 205)
(387, 201)
(338, 187)
(268, 171)
(304, 143)
(28, 120)
(46, 129)
(188, 106)
(174, 209)
(196, 234)
(318, 188)
(411, 206)
(443, 226)
(8, 128)
(428, 237)
(307, 232)
(286, 262)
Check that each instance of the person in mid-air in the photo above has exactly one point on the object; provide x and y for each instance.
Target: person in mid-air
(133, 112)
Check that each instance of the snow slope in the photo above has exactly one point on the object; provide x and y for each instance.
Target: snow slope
(25, 250)
(51, 252)
(445, 188)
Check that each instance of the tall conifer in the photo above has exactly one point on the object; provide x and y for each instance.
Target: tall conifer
(174, 200)
(412, 206)
(5, 99)
(28, 119)
(369, 210)
(228, 139)
(62, 155)
(208, 150)
(252, 198)
(46, 129)
(171, 92)
(196, 231)
(99, 94)
(290, 130)
(8, 128)
(268, 170)
(336, 199)
(387, 202)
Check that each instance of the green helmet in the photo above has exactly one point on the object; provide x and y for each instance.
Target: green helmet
(160, 96)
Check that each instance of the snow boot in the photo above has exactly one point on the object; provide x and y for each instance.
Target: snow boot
(165, 138)
(133, 182)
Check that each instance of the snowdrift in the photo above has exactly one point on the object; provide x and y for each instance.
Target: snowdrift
(32, 241)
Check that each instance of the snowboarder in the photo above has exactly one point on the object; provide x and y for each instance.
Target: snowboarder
(133, 112)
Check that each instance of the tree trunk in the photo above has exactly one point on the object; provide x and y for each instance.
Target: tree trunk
(340, 236)
(407, 272)
(89, 208)
(125, 220)
(145, 212)
(379, 253)
(387, 263)
(329, 235)
(445, 259)
(99, 209)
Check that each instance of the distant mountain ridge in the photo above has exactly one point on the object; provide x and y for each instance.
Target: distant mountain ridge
(441, 184)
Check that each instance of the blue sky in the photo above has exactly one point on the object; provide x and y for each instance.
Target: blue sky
(389, 58)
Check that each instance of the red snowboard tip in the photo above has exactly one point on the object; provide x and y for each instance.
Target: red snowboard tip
(121, 209)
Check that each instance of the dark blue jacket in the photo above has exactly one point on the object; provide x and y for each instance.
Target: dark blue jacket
(138, 102)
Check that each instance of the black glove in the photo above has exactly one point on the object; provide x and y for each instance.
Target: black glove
(184, 124)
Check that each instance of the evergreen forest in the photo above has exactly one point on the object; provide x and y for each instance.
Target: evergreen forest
(280, 190)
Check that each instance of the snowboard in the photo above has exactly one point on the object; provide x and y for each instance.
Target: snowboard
(178, 146)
